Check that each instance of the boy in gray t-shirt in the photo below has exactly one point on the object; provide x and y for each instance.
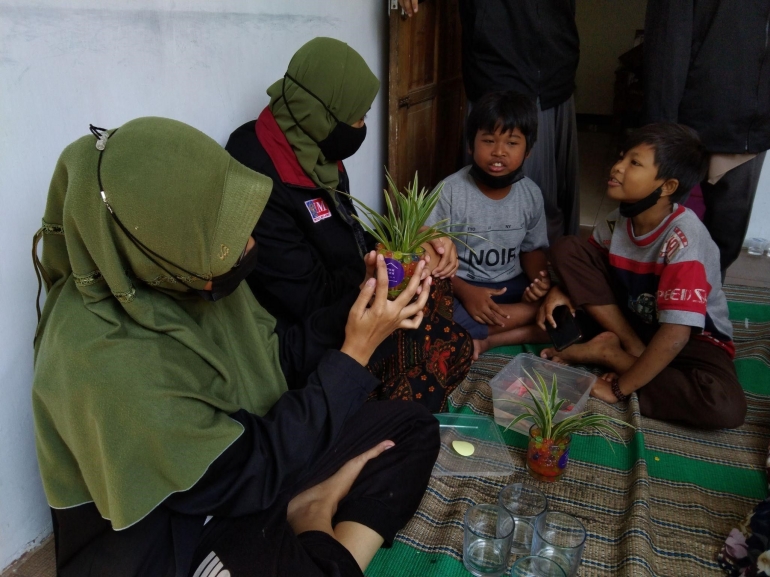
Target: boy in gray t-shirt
(503, 271)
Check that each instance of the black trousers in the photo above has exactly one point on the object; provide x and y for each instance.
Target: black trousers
(698, 388)
(383, 498)
(728, 208)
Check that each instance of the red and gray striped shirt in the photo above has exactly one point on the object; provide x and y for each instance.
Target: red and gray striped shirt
(671, 274)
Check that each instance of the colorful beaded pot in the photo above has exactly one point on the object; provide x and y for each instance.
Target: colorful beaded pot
(547, 458)
(400, 266)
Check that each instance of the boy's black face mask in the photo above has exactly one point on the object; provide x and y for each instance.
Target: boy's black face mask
(632, 209)
(495, 182)
(342, 142)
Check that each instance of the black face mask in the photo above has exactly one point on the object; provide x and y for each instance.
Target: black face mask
(343, 141)
(495, 182)
(632, 209)
(225, 284)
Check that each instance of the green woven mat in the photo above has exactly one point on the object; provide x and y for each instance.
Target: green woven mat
(661, 505)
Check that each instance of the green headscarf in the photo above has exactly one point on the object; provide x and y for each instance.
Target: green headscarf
(134, 375)
(338, 75)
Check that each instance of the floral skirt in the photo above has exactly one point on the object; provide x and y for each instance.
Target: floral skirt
(425, 364)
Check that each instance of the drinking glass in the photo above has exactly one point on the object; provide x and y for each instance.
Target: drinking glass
(487, 543)
(757, 246)
(561, 538)
(524, 503)
(534, 566)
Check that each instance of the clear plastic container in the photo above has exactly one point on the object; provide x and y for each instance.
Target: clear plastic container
(572, 384)
(490, 458)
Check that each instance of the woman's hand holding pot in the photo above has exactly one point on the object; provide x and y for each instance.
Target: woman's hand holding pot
(372, 320)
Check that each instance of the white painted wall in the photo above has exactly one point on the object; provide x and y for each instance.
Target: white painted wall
(606, 29)
(67, 63)
(759, 225)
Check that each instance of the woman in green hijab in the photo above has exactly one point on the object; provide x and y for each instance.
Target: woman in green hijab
(167, 441)
(313, 255)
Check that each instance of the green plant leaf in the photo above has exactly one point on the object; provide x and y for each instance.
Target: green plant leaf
(405, 214)
(518, 419)
(546, 405)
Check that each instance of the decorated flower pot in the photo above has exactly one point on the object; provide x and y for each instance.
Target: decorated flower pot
(401, 266)
(547, 458)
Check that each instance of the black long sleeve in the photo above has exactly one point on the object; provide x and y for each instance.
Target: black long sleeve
(668, 33)
(302, 345)
(274, 451)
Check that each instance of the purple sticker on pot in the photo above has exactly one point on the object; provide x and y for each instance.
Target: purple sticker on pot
(395, 272)
(564, 459)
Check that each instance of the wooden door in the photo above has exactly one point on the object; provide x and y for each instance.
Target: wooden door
(426, 99)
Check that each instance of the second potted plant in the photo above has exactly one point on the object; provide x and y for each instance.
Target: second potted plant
(549, 441)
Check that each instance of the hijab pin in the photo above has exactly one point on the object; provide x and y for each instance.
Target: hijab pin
(101, 136)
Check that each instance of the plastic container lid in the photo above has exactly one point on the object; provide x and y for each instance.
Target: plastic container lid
(572, 384)
(490, 458)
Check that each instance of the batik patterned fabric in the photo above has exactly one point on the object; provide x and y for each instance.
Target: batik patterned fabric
(747, 549)
(426, 364)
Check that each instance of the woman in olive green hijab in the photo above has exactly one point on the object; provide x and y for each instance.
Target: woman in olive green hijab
(167, 441)
(313, 255)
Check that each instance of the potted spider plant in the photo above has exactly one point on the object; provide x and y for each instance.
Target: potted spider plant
(401, 231)
(549, 441)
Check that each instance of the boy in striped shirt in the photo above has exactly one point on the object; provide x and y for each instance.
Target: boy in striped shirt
(650, 276)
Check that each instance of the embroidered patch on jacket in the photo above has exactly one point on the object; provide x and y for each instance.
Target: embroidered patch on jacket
(318, 209)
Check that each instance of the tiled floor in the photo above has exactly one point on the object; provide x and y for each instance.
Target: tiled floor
(597, 153)
(37, 563)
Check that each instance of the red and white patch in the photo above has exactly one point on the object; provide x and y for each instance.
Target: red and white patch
(318, 209)
(676, 242)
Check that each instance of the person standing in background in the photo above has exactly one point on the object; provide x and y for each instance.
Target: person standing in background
(531, 47)
(707, 65)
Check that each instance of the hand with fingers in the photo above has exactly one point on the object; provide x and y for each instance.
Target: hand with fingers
(446, 252)
(479, 304)
(555, 297)
(409, 6)
(373, 317)
(314, 508)
(538, 289)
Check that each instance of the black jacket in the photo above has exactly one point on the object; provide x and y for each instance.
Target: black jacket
(304, 265)
(530, 46)
(707, 66)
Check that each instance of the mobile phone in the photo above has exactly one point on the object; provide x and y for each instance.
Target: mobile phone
(567, 331)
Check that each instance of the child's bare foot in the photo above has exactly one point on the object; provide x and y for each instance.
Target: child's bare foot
(600, 350)
(480, 346)
(313, 509)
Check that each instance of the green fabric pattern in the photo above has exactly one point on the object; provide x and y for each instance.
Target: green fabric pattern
(134, 383)
(339, 76)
